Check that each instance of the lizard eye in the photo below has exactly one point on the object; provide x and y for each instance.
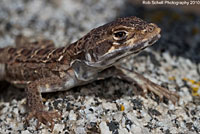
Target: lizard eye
(119, 35)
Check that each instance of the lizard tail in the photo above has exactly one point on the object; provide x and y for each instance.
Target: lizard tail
(1, 54)
(4, 55)
(2, 63)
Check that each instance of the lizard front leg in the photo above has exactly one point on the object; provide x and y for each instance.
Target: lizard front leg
(141, 81)
(34, 101)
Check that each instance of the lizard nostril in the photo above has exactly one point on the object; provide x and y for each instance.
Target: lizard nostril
(150, 28)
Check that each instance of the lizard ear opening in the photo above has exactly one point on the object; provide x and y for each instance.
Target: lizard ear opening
(119, 35)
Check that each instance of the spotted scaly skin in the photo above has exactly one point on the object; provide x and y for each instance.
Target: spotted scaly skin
(40, 67)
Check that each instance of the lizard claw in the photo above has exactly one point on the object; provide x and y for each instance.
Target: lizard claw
(45, 117)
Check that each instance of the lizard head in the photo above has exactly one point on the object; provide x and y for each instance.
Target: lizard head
(119, 39)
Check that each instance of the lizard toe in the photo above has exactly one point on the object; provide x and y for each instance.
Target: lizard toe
(46, 117)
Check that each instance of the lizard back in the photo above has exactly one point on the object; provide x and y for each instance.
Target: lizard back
(28, 64)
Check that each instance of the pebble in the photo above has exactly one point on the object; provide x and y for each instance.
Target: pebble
(123, 131)
(104, 128)
(25, 132)
(59, 127)
(110, 106)
(72, 115)
(80, 130)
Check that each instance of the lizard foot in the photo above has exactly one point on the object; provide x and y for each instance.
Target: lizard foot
(158, 90)
(45, 117)
(146, 84)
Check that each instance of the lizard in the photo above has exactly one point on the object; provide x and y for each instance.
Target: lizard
(40, 67)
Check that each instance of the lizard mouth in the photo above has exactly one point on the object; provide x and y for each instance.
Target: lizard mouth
(141, 46)
(120, 54)
(144, 44)
(154, 39)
